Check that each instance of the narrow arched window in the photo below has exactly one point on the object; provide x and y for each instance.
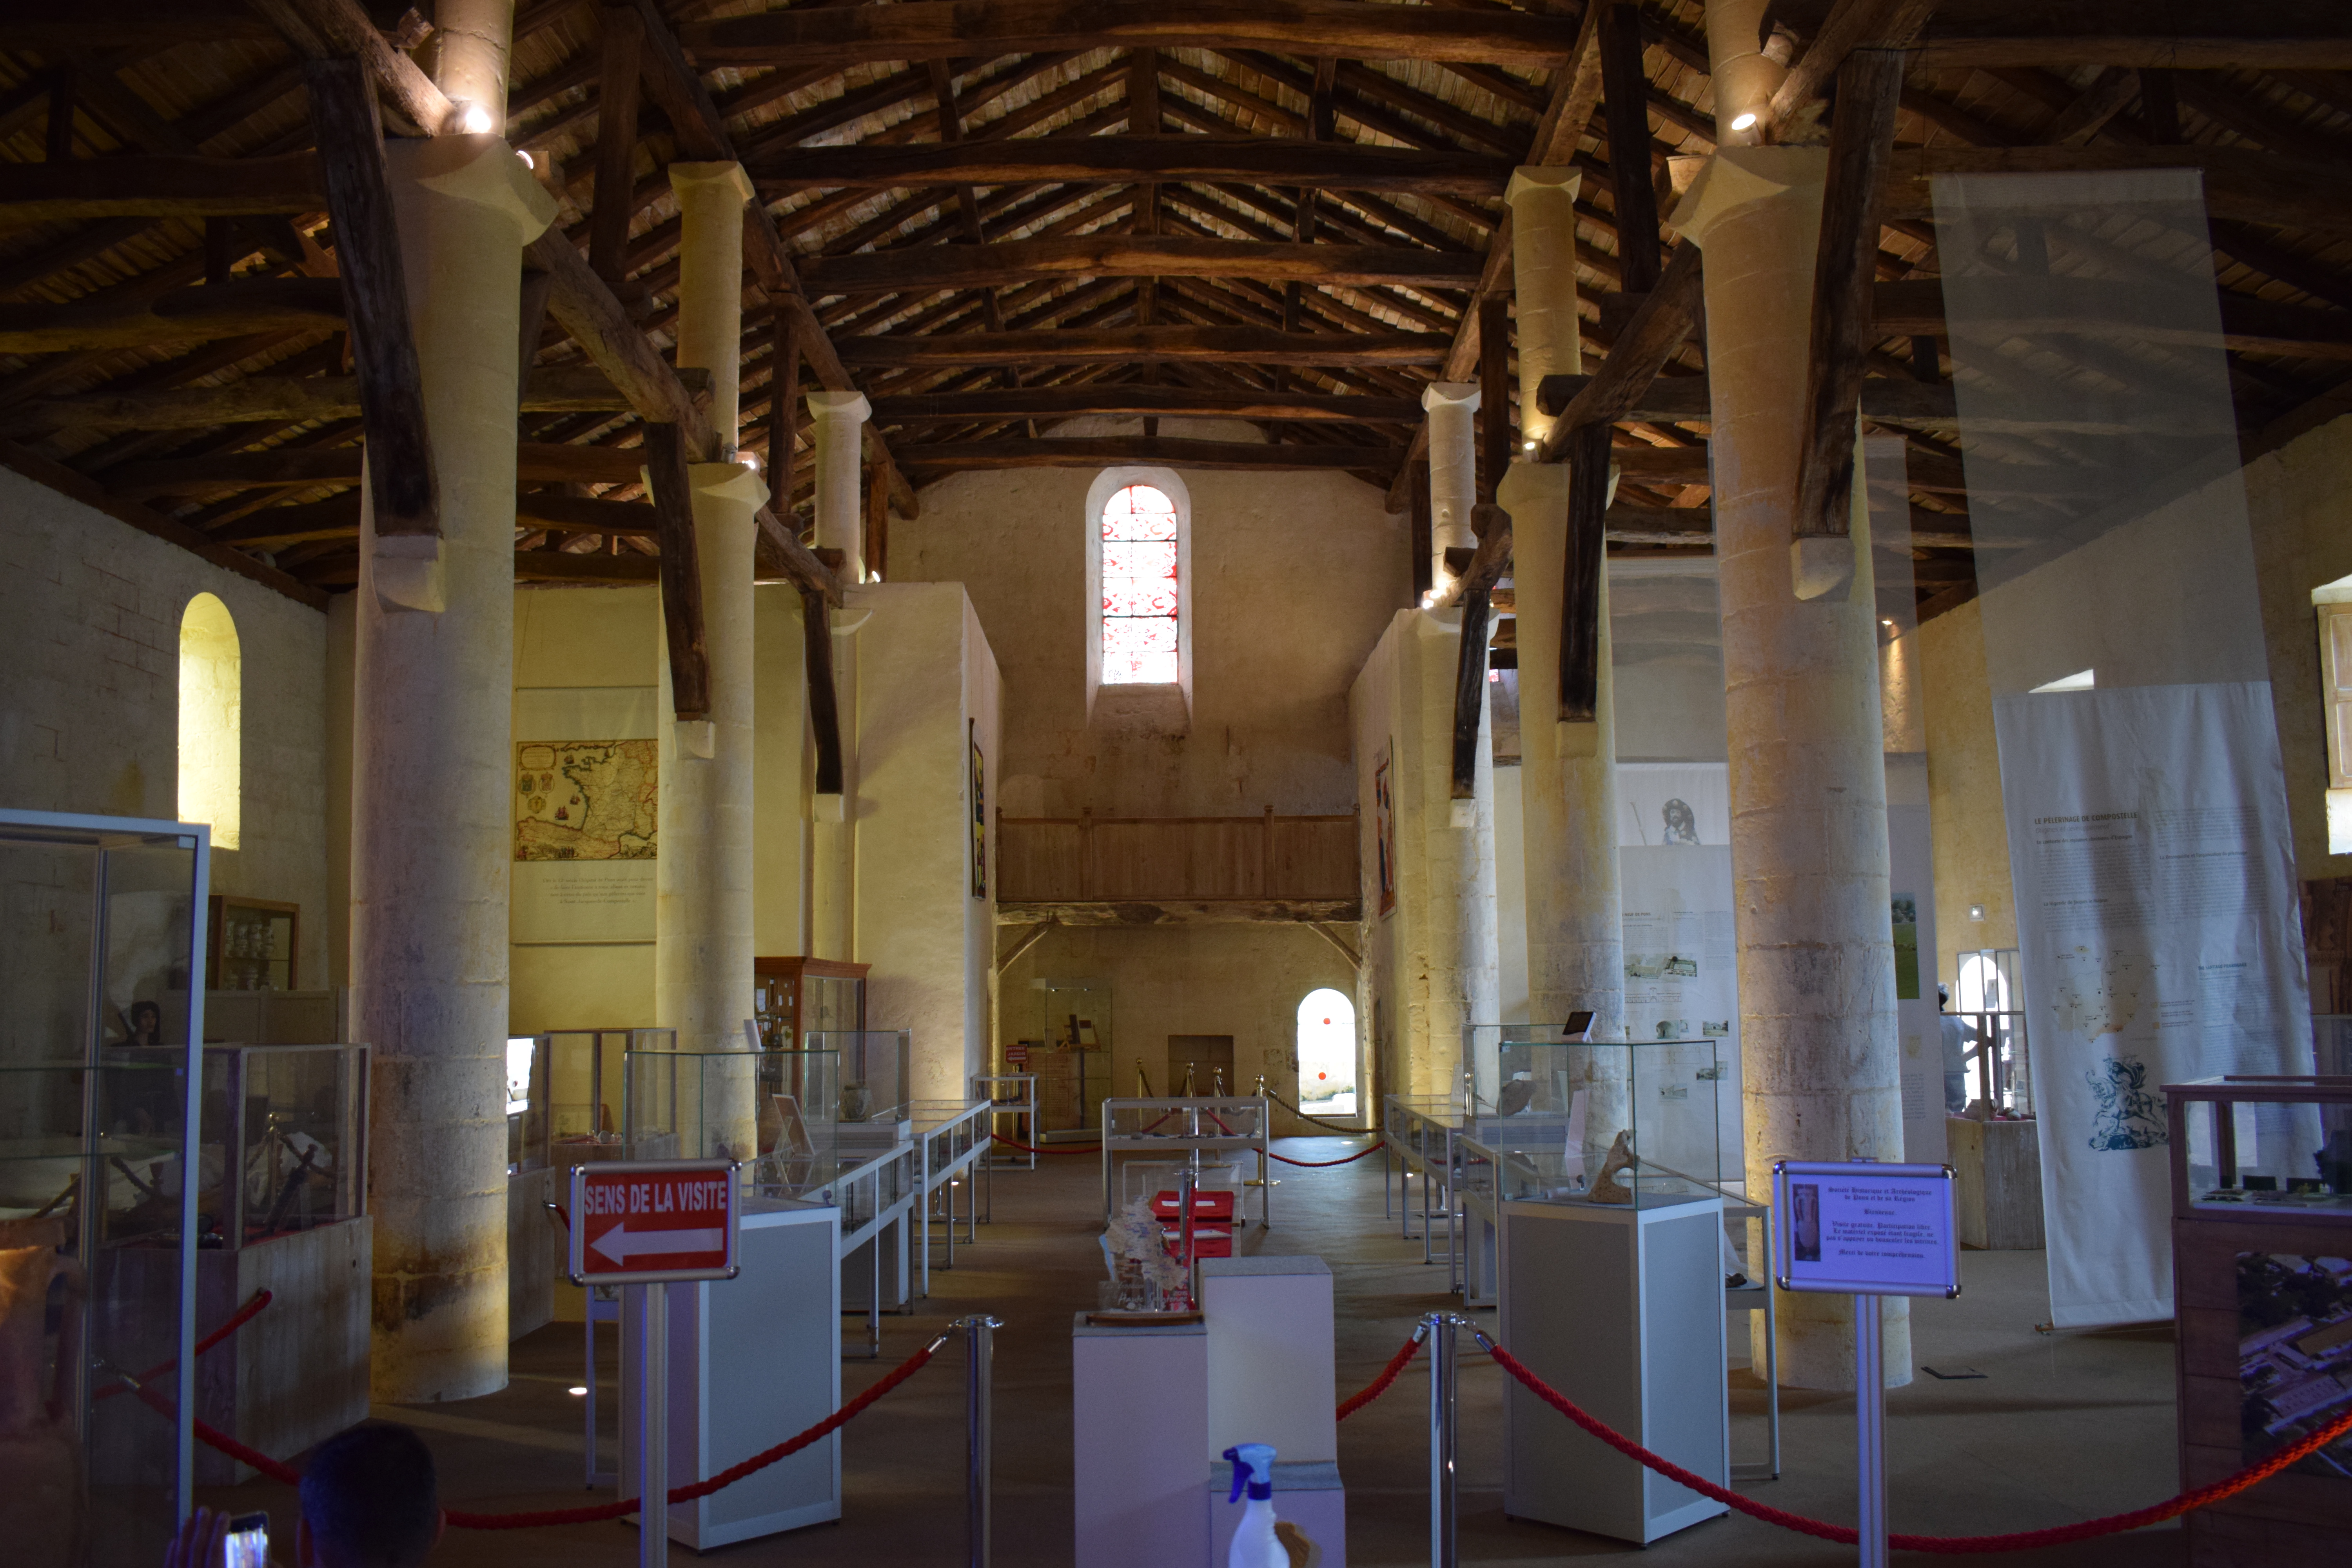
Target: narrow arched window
(1326, 1053)
(212, 715)
(1142, 588)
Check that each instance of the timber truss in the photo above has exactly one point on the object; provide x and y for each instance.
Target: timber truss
(997, 217)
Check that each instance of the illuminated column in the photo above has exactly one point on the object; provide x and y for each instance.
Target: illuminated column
(1820, 1061)
(1453, 408)
(840, 421)
(710, 198)
(1550, 338)
(432, 769)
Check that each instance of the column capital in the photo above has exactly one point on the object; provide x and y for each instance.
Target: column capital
(1738, 178)
(1450, 394)
(1543, 179)
(482, 169)
(729, 481)
(709, 182)
(840, 405)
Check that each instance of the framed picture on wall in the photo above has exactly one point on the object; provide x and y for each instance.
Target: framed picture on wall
(1384, 830)
(978, 814)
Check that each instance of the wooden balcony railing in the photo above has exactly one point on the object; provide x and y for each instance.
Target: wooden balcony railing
(1192, 860)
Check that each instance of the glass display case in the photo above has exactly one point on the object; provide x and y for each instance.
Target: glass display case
(1073, 1058)
(775, 1110)
(1635, 1123)
(103, 932)
(284, 1143)
(876, 1072)
(1991, 1000)
(2262, 1268)
(251, 944)
(791, 997)
(565, 1093)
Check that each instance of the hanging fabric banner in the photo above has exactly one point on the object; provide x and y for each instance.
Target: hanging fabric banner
(2148, 843)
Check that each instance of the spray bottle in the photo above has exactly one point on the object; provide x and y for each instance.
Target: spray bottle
(1255, 1542)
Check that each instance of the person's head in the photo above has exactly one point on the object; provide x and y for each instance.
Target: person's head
(368, 1500)
(1944, 998)
(146, 1023)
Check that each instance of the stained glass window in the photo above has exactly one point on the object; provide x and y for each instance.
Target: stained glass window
(1140, 591)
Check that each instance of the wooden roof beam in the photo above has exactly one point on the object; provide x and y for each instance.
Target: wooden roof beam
(1148, 345)
(1056, 403)
(155, 187)
(1324, 166)
(1094, 452)
(925, 29)
(1125, 256)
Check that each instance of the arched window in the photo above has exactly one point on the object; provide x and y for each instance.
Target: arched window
(1326, 1053)
(1139, 580)
(1142, 590)
(212, 713)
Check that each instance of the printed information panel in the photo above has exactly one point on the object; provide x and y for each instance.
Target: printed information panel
(652, 1221)
(1861, 1229)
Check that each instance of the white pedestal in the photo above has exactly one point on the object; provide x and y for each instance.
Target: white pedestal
(1139, 1418)
(753, 1361)
(1622, 1310)
(1272, 1377)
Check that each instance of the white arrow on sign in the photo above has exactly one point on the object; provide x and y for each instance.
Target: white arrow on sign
(620, 1243)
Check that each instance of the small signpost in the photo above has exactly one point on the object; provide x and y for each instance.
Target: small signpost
(648, 1225)
(1863, 1230)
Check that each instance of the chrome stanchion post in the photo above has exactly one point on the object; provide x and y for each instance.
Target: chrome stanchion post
(1443, 1548)
(653, 1429)
(1870, 1417)
(978, 1353)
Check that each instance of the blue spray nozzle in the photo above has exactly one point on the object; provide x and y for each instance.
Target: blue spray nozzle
(1252, 1467)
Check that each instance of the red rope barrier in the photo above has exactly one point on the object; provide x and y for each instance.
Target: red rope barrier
(243, 1316)
(1324, 1164)
(1034, 1149)
(1845, 1534)
(1380, 1386)
(279, 1471)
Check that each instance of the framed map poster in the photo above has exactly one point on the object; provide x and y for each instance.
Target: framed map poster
(978, 813)
(586, 813)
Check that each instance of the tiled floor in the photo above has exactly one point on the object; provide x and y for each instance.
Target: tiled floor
(2062, 1426)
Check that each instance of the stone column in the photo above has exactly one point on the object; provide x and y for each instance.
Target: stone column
(840, 420)
(1820, 1060)
(702, 908)
(1575, 950)
(1446, 886)
(1453, 408)
(710, 198)
(433, 771)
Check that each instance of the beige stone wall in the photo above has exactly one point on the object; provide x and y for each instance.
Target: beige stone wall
(1295, 576)
(89, 638)
(1971, 832)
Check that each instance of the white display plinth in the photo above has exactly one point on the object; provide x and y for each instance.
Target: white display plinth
(753, 1361)
(1622, 1310)
(1271, 1367)
(1139, 1419)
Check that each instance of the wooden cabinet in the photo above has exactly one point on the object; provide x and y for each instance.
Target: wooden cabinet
(793, 996)
(249, 943)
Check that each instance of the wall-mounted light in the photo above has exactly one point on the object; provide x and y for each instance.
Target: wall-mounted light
(1530, 445)
(1744, 121)
(1975, 911)
(474, 119)
(528, 160)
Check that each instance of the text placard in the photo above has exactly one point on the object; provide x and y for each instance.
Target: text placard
(1861, 1229)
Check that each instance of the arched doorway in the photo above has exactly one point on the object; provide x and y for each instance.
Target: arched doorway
(1327, 1054)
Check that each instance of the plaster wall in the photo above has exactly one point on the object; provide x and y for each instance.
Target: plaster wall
(1156, 978)
(583, 637)
(1970, 829)
(89, 635)
(1666, 662)
(928, 691)
(1295, 576)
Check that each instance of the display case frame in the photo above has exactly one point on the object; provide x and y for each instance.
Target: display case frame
(951, 1145)
(1022, 1107)
(347, 1167)
(788, 993)
(2299, 1517)
(139, 1290)
(225, 959)
(1208, 1126)
(1417, 1138)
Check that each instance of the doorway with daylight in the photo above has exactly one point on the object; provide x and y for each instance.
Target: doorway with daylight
(1327, 1054)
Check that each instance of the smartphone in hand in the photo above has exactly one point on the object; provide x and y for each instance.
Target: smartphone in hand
(249, 1542)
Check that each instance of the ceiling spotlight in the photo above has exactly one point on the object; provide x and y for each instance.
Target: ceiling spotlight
(473, 119)
(748, 459)
(1744, 121)
(528, 160)
(577, 1390)
(1530, 445)
(1885, 621)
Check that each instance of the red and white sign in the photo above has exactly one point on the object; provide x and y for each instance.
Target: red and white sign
(652, 1221)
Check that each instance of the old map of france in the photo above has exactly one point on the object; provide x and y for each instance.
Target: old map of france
(585, 800)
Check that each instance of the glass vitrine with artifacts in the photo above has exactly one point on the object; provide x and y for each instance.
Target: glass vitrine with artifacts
(1635, 1123)
(251, 944)
(1074, 1065)
(101, 967)
(284, 1144)
(792, 997)
(579, 1073)
(776, 1112)
(876, 1071)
